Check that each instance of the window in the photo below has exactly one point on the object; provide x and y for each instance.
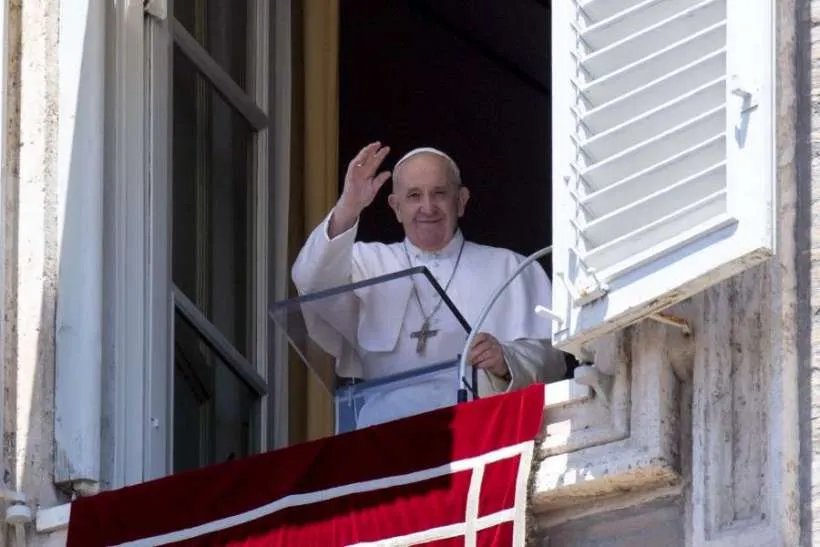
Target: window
(218, 383)
(663, 160)
(208, 68)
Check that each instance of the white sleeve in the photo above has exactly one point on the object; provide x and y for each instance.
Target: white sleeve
(530, 361)
(323, 262)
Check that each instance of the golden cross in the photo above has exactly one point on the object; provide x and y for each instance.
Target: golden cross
(422, 335)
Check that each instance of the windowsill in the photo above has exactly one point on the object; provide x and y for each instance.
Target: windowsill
(53, 519)
(604, 448)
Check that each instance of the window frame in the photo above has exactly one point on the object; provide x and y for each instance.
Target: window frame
(138, 445)
(247, 103)
(133, 434)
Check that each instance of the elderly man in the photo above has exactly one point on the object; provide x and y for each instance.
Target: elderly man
(513, 348)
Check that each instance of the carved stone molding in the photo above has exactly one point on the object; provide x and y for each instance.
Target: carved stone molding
(742, 477)
(595, 449)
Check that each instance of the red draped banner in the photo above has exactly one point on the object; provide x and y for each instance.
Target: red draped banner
(453, 477)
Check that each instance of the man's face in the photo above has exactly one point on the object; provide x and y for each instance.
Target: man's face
(427, 202)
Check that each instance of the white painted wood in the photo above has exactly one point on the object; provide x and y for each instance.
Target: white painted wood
(81, 139)
(159, 376)
(127, 268)
(664, 172)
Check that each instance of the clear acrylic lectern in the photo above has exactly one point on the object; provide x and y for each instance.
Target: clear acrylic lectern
(384, 348)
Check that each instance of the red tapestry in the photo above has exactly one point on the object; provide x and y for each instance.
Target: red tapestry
(453, 477)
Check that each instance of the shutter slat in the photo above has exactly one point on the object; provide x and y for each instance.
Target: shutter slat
(631, 21)
(654, 206)
(685, 164)
(655, 93)
(644, 254)
(634, 47)
(598, 10)
(656, 121)
(654, 66)
(655, 233)
(656, 149)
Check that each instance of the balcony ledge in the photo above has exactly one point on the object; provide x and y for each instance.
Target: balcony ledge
(596, 451)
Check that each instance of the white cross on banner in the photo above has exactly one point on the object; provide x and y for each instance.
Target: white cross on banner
(453, 477)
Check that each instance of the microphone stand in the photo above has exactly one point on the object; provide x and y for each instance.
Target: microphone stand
(462, 365)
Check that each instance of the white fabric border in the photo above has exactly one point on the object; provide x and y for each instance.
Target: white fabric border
(521, 493)
(473, 500)
(524, 450)
(445, 532)
(473, 524)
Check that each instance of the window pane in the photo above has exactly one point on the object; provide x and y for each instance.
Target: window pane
(212, 216)
(214, 411)
(221, 27)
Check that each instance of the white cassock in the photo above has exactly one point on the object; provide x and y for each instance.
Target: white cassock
(379, 320)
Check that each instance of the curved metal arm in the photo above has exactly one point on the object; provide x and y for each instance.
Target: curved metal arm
(462, 365)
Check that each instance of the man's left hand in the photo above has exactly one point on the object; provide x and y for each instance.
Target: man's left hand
(487, 354)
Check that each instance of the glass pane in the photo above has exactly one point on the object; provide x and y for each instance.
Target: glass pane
(212, 216)
(221, 27)
(378, 365)
(214, 411)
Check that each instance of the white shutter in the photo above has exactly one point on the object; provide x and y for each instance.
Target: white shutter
(663, 154)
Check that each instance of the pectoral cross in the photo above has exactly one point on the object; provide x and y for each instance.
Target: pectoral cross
(422, 335)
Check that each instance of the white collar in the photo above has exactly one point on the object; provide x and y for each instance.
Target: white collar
(449, 251)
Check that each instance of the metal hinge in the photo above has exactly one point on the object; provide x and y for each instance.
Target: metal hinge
(156, 8)
(585, 294)
(747, 90)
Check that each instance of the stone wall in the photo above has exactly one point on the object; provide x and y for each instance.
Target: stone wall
(808, 130)
(656, 523)
(30, 251)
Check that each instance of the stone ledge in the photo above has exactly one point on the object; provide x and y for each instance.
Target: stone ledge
(582, 487)
(53, 519)
(593, 451)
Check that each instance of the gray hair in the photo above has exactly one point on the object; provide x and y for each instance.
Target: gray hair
(453, 171)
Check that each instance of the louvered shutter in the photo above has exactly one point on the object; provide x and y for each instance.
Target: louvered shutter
(662, 153)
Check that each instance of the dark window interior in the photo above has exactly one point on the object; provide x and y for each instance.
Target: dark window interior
(469, 78)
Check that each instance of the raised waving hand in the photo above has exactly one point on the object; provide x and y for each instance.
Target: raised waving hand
(362, 184)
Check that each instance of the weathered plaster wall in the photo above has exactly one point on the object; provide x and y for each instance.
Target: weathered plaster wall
(31, 251)
(810, 133)
(807, 234)
(656, 523)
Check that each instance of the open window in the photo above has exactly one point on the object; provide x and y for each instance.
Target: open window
(663, 154)
(469, 78)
